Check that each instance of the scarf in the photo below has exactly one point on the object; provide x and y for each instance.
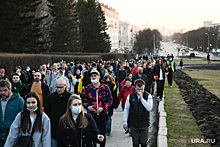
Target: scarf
(15, 86)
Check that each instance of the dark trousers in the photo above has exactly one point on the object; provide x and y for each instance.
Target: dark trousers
(170, 77)
(139, 136)
(101, 122)
(2, 142)
(150, 87)
(160, 88)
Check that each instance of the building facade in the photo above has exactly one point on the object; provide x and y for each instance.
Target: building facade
(127, 35)
(112, 20)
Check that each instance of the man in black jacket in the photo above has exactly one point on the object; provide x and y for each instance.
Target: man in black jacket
(55, 107)
(142, 76)
(150, 76)
(136, 114)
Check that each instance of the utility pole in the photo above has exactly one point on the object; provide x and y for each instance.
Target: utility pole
(154, 43)
(208, 40)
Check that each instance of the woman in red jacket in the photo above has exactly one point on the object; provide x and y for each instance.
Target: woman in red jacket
(125, 91)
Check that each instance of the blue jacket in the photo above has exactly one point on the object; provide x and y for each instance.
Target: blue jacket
(143, 77)
(45, 90)
(14, 106)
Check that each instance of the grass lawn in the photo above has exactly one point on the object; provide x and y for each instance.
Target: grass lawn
(196, 62)
(209, 79)
(181, 124)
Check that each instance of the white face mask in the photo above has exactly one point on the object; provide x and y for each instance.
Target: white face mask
(76, 109)
(95, 81)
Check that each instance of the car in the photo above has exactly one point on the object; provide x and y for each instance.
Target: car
(196, 53)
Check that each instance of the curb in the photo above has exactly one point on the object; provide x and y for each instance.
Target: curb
(162, 128)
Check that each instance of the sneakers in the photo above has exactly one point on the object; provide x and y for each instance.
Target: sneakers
(108, 133)
(170, 86)
(158, 98)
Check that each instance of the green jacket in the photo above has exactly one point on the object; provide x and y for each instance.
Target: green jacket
(14, 106)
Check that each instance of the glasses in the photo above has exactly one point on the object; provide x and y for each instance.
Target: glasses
(59, 87)
(37, 75)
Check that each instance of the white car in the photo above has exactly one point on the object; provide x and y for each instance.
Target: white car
(196, 53)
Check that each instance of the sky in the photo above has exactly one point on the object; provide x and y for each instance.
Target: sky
(172, 14)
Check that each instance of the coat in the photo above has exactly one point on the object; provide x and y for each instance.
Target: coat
(14, 106)
(67, 136)
(55, 107)
(40, 139)
(90, 94)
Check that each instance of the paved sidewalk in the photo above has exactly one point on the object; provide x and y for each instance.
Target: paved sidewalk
(118, 138)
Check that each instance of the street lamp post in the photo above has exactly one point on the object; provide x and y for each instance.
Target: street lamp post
(216, 40)
(154, 44)
(208, 40)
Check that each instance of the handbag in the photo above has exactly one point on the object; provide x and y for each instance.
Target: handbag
(25, 141)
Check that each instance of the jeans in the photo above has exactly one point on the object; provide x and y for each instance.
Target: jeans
(2, 142)
(109, 125)
(139, 136)
(53, 142)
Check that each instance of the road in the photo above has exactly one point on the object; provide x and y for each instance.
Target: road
(170, 48)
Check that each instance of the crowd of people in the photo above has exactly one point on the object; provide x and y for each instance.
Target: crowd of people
(71, 104)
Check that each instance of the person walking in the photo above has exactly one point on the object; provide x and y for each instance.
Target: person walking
(109, 81)
(55, 107)
(77, 128)
(97, 99)
(17, 85)
(72, 81)
(121, 75)
(40, 88)
(181, 64)
(52, 75)
(125, 91)
(136, 114)
(79, 82)
(159, 72)
(171, 68)
(150, 76)
(31, 119)
(142, 76)
(11, 104)
(208, 58)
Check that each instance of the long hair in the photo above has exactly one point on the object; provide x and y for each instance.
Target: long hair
(111, 79)
(67, 117)
(162, 64)
(25, 115)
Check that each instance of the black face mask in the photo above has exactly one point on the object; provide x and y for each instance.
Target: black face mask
(71, 64)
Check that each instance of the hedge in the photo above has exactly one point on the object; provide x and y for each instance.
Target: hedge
(10, 61)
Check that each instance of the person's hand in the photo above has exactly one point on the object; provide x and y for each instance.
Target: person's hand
(90, 108)
(99, 110)
(101, 138)
(166, 73)
(125, 127)
(140, 95)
